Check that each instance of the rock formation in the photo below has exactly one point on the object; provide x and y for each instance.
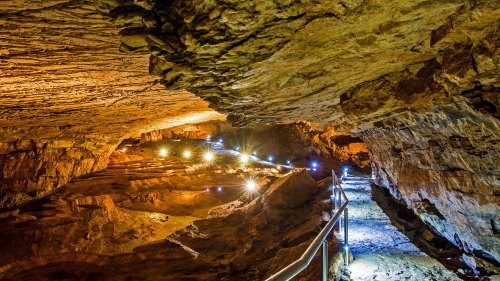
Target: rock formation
(68, 96)
(417, 81)
(249, 242)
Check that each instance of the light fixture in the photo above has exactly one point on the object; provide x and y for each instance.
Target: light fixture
(278, 167)
(244, 158)
(186, 154)
(254, 153)
(207, 190)
(209, 137)
(250, 185)
(237, 148)
(219, 189)
(270, 158)
(208, 156)
(220, 140)
(288, 162)
(163, 152)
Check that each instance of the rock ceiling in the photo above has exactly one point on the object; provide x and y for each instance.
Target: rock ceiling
(281, 61)
(68, 96)
(61, 74)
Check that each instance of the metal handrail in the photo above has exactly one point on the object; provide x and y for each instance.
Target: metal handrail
(297, 266)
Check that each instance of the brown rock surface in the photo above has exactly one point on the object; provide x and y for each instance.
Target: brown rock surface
(418, 81)
(68, 97)
(79, 224)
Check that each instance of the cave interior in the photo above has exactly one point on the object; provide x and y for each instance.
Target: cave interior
(204, 139)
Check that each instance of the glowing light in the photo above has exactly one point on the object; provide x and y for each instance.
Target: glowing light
(163, 152)
(209, 137)
(288, 162)
(186, 154)
(278, 167)
(254, 153)
(270, 158)
(220, 140)
(207, 190)
(244, 158)
(250, 185)
(237, 148)
(345, 171)
(208, 156)
(314, 164)
(219, 189)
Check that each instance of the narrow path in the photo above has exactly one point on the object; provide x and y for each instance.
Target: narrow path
(380, 251)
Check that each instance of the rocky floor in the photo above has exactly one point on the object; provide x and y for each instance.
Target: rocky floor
(380, 251)
(139, 199)
(150, 216)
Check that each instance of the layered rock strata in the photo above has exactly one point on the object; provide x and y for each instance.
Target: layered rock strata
(249, 242)
(68, 96)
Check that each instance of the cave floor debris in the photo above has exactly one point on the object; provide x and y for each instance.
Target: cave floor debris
(380, 251)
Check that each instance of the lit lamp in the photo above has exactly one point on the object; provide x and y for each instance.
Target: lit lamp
(208, 156)
(250, 185)
(314, 166)
(237, 148)
(163, 152)
(345, 172)
(244, 158)
(186, 154)
(270, 158)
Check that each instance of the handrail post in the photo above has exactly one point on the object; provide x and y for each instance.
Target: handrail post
(346, 236)
(340, 204)
(325, 261)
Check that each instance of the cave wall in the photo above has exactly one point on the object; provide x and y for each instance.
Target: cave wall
(433, 136)
(446, 169)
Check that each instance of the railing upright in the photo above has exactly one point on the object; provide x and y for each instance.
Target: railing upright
(303, 262)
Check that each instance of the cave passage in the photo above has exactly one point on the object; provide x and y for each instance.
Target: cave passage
(146, 193)
(157, 192)
(380, 250)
